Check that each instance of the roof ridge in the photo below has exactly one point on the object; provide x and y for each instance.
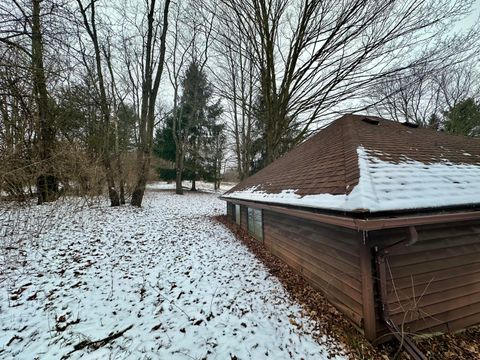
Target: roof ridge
(362, 185)
(344, 161)
(362, 162)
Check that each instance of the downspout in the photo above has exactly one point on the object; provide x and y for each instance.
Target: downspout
(412, 236)
(380, 255)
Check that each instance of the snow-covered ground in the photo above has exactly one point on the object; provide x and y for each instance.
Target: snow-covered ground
(179, 282)
(200, 185)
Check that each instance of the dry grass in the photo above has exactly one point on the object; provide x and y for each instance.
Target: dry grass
(78, 172)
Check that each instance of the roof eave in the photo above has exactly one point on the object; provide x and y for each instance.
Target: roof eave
(364, 221)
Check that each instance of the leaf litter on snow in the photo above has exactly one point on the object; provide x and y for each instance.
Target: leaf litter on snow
(163, 281)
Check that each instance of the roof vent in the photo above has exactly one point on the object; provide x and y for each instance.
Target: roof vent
(410, 125)
(370, 121)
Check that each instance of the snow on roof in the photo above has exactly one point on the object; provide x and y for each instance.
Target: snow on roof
(370, 164)
(387, 186)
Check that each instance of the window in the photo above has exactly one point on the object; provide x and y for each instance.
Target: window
(230, 211)
(255, 223)
(237, 214)
(250, 220)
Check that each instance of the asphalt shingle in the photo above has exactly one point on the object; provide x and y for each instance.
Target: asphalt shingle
(393, 153)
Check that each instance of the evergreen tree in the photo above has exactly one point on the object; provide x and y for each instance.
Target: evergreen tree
(164, 144)
(463, 118)
(434, 122)
(127, 119)
(213, 146)
(287, 142)
(194, 103)
(164, 147)
(188, 137)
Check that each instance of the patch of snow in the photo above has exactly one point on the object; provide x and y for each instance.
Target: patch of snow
(200, 185)
(160, 186)
(190, 289)
(209, 187)
(384, 186)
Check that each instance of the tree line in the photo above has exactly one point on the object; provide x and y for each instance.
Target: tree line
(92, 90)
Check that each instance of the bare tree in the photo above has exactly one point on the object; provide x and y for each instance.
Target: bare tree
(413, 98)
(47, 183)
(115, 105)
(237, 81)
(17, 123)
(218, 154)
(21, 28)
(423, 95)
(88, 14)
(313, 56)
(180, 45)
(459, 82)
(153, 69)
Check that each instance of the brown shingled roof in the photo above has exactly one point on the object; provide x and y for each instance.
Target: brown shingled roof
(327, 163)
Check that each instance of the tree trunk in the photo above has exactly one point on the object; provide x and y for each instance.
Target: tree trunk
(179, 171)
(104, 103)
(194, 166)
(122, 192)
(144, 165)
(194, 163)
(150, 87)
(112, 192)
(47, 182)
(118, 158)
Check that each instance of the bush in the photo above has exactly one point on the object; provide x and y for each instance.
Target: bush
(166, 174)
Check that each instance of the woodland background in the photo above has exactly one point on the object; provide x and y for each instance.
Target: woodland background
(99, 97)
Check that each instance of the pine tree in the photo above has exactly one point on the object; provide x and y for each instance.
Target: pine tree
(188, 137)
(259, 135)
(463, 118)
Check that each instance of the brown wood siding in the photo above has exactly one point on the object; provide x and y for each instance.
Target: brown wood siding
(433, 285)
(327, 256)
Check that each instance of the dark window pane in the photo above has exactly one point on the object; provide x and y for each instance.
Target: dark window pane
(251, 221)
(237, 214)
(258, 224)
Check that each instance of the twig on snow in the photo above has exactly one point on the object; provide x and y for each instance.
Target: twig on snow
(213, 296)
(97, 343)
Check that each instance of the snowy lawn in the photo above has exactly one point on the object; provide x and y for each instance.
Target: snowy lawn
(179, 283)
(201, 185)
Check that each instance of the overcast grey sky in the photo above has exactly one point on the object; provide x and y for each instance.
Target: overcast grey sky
(473, 18)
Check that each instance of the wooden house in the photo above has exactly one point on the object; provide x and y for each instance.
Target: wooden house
(382, 217)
